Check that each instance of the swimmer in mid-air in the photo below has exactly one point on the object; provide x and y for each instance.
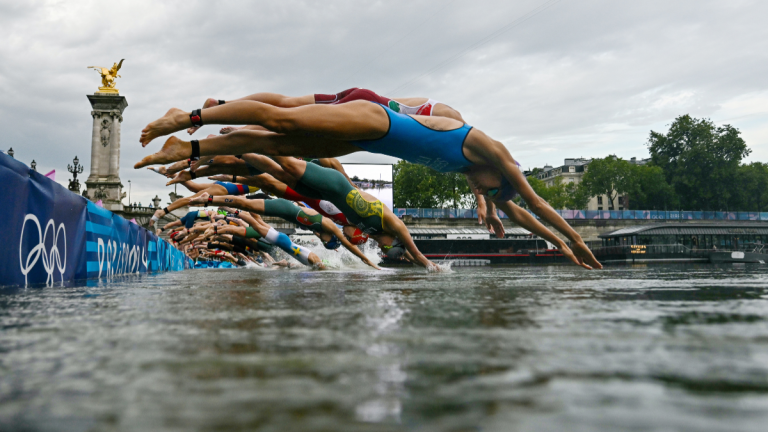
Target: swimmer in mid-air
(412, 106)
(444, 144)
(327, 231)
(360, 209)
(271, 185)
(217, 188)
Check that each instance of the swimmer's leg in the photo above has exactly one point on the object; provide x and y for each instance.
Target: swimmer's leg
(241, 142)
(358, 120)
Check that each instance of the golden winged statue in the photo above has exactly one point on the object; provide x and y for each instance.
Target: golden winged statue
(108, 76)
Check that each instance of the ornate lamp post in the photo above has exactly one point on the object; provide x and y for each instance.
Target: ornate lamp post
(156, 200)
(74, 184)
(11, 152)
(129, 193)
(33, 165)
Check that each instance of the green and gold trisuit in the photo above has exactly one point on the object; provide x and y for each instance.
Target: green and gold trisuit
(251, 233)
(331, 185)
(292, 213)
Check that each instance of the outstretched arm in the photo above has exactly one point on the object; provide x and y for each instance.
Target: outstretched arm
(542, 209)
(330, 226)
(397, 228)
(525, 220)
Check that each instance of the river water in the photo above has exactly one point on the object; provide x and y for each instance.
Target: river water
(551, 348)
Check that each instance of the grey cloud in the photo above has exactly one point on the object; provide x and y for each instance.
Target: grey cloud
(582, 78)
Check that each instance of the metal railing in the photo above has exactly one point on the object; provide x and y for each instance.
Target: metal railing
(669, 249)
(595, 214)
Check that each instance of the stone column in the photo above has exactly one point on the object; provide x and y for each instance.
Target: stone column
(104, 182)
(114, 146)
(95, 142)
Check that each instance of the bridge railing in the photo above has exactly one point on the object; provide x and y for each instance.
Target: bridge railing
(142, 209)
(594, 214)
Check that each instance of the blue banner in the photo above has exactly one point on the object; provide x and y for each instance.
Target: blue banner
(600, 214)
(52, 236)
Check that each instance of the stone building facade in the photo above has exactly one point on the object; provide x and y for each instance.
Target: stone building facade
(572, 171)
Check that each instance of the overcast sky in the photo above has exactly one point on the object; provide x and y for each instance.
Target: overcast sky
(550, 79)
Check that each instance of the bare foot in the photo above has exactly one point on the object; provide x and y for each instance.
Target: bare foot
(180, 178)
(208, 103)
(200, 199)
(176, 167)
(174, 120)
(173, 150)
(205, 160)
(160, 170)
(228, 129)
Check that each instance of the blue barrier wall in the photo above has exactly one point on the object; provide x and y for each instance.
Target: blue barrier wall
(596, 214)
(51, 235)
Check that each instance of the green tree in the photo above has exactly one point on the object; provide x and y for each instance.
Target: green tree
(579, 198)
(650, 190)
(610, 176)
(416, 186)
(752, 191)
(700, 161)
(560, 195)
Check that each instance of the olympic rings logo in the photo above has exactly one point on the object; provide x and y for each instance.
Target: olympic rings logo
(51, 258)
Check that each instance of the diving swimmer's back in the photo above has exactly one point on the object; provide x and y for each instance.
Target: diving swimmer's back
(412, 141)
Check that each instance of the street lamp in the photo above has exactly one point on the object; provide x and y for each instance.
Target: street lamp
(11, 152)
(33, 165)
(129, 193)
(74, 184)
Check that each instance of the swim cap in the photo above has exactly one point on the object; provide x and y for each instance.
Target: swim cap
(333, 243)
(396, 250)
(222, 212)
(358, 238)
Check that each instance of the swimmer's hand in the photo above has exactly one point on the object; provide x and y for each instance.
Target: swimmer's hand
(494, 224)
(582, 252)
(432, 267)
(370, 263)
(578, 259)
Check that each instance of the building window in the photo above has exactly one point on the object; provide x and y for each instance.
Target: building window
(621, 200)
(600, 207)
(571, 169)
(600, 201)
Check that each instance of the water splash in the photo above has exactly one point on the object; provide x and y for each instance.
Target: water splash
(443, 267)
(341, 258)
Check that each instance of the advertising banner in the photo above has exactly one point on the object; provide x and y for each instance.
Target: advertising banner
(52, 236)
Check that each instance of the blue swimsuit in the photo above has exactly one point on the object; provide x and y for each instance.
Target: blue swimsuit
(236, 188)
(412, 141)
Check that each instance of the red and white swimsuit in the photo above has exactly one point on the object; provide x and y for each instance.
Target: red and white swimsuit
(325, 208)
(355, 93)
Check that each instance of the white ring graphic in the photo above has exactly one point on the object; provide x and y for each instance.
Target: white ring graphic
(51, 259)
